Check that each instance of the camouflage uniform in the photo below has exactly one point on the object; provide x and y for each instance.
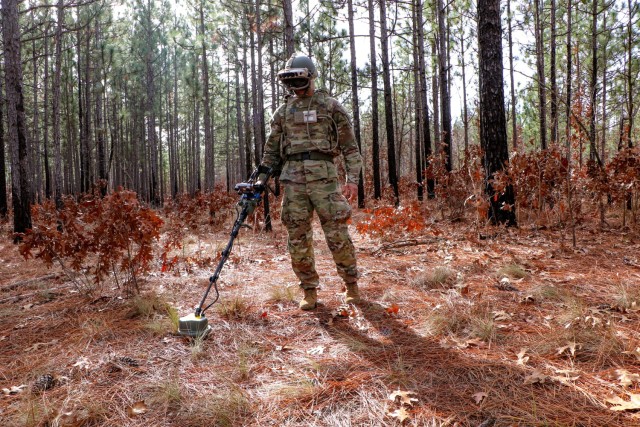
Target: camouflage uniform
(306, 133)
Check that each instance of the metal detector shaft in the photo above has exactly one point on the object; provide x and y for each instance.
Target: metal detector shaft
(225, 254)
(251, 192)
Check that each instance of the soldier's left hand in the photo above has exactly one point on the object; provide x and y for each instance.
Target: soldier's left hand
(350, 191)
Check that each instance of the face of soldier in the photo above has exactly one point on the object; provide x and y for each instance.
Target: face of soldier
(307, 91)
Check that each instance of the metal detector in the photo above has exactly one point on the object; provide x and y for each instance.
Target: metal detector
(196, 325)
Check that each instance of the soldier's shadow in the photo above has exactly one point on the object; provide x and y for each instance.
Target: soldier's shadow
(446, 380)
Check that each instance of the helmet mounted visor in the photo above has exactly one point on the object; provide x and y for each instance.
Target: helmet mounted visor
(295, 78)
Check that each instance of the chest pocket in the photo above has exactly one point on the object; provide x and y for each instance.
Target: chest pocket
(308, 127)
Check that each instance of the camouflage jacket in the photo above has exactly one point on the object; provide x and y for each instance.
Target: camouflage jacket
(312, 124)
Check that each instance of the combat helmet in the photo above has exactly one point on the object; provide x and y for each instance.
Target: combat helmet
(298, 72)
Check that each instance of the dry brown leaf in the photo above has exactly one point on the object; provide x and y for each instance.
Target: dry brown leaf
(404, 397)
(479, 397)
(564, 380)
(536, 377)
(501, 316)
(626, 378)
(137, 408)
(522, 359)
(37, 346)
(571, 346)
(635, 353)
(632, 404)
(475, 342)
(401, 414)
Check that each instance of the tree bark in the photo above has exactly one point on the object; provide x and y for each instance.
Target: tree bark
(552, 76)
(288, 28)
(493, 127)
(16, 118)
(388, 102)
(354, 98)
(514, 129)
(445, 100)
(209, 166)
(542, 94)
(375, 138)
(4, 205)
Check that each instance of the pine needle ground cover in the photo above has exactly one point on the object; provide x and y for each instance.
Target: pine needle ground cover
(457, 327)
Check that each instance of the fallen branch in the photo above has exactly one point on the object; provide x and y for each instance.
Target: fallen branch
(28, 282)
(404, 244)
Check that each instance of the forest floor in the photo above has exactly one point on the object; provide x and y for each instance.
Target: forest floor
(457, 327)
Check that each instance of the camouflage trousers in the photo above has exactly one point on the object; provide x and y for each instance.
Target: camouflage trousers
(333, 209)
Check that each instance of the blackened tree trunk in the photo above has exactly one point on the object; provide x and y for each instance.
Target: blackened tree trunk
(445, 100)
(493, 126)
(375, 138)
(354, 98)
(388, 102)
(16, 117)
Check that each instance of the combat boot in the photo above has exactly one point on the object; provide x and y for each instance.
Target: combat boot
(353, 295)
(310, 299)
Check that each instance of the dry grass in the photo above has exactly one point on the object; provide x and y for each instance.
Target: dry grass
(438, 278)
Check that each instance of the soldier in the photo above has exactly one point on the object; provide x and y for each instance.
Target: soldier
(307, 132)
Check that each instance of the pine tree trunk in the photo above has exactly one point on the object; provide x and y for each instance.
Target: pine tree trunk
(16, 117)
(388, 102)
(45, 140)
(514, 129)
(493, 126)
(355, 100)
(593, 84)
(422, 72)
(4, 205)
(552, 76)
(209, 166)
(445, 100)
(542, 94)
(418, 106)
(375, 138)
(288, 28)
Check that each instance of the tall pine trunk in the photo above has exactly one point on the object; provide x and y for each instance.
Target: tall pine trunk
(375, 138)
(542, 93)
(16, 117)
(354, 98)
(388, 102)
(493, 126)
(445, 100)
